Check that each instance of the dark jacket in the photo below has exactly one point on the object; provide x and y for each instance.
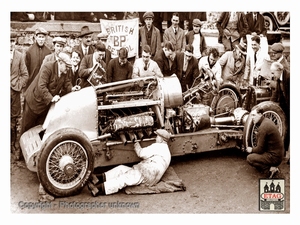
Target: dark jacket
(34, 57)
(155, 40)
(269, 140)
(242, 25)
(163, 63)
(258, 26)
(18, 72)
(85, 65)
(45, 86)
(190, 38)
(192, 71)
(116, 72)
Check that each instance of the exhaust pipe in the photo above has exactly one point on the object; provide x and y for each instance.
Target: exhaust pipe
(123, 137)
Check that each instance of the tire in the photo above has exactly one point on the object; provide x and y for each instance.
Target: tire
(227, 99)
(269, 23)
(65, 162)
(272, 111)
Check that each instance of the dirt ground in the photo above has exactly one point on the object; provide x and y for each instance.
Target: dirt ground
(216, 182)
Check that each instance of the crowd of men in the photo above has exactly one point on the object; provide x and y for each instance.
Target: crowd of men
(43, 76)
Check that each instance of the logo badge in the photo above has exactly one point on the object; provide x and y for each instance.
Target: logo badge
(271, 195)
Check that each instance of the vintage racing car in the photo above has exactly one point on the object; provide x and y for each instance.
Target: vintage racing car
(96, 127)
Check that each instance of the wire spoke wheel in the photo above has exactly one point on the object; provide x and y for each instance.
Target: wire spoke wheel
(66, 165)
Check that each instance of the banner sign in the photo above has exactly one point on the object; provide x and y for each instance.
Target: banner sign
(121, 33)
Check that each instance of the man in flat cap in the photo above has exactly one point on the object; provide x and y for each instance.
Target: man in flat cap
(196, 39)
(103, 38)
(46, 88)
(85, 47)
(58, 44)
(156, 159)
(18, 79)
(36, 53)
(149, 35)
(276, 55)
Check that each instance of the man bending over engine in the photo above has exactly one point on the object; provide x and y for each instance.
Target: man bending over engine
(156, 160)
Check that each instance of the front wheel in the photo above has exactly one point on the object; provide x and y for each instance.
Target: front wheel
(65, 162)
(272, 111)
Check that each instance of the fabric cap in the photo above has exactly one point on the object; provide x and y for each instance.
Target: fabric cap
(85, 30)
(102, 36)
(277, 47)
(163, 133)
(65, 58)
(60, 40)
(41, 30)
(197, 22)
(242, 48)
(148, 15)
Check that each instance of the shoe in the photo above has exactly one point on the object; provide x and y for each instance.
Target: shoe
(273, 170)
(94, 191)
(98, 179)
(93, 179)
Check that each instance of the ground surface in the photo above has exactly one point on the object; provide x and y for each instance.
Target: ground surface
(216, 182)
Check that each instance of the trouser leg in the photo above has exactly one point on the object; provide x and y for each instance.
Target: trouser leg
(262, 162)
(29, 119)
(130, 178)
(15, 111)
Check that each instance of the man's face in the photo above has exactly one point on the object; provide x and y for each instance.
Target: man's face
(196, 29)
(168, 53)
(276, 73)
(99, 55)
(212, 60)
(255, 116)
(188, 55)
(58, 47)
(255, 46)
(175, 21)
(148, 22)
(237, 53)
(75, 58)
(146, 57)
(63, 68)
(87, 40)
(40, 39)
(122, 61)
(275, 55)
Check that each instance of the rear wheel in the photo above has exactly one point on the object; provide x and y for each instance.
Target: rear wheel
(269, 23)
(65, 162)
(227, 99)
(272, 111)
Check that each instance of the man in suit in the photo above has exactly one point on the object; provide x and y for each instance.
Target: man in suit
(90, 62)
(35, 54)
(166, 59)
(18, 79)
(255, 61)
(187, 67)
(59, 44)
(149, 35)
(281, 93)
(195, 38)
(86, 47)
(45, 89)
(256, 24)
(175, 34)
(232, 27)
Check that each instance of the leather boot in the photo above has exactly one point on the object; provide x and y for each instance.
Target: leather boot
(97, 179)
(96, 190)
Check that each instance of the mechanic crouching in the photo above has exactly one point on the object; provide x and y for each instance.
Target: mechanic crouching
(156, 160)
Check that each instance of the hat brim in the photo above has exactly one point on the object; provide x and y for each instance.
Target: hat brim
(243, 52)
(81, 35)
